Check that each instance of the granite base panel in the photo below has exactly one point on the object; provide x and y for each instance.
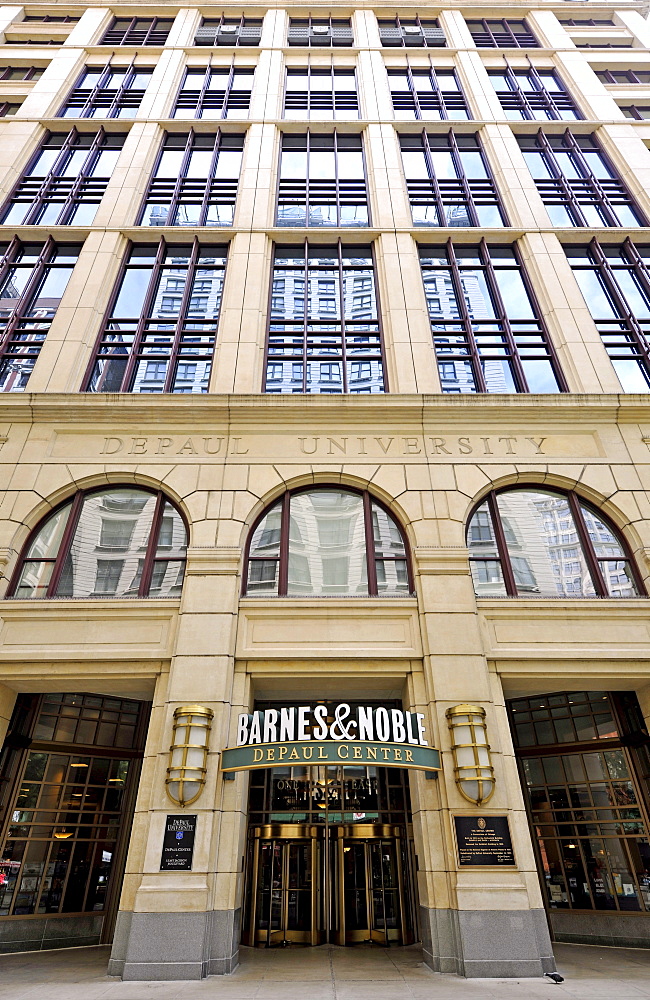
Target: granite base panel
(487, 943)
(622, 930)
(44, 933)
(174, 946)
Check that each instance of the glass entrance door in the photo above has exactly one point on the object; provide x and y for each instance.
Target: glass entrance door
(372, 903)
(283, 892)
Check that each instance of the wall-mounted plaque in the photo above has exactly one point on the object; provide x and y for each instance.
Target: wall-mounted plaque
(483, 841)
(178, 844)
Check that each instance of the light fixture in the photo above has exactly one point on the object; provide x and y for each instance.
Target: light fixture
(188, 754)
(62, 836)
(78, 765)
(472, 763)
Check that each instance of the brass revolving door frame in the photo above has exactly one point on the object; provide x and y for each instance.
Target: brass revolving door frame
(282, 834)
(372, 835)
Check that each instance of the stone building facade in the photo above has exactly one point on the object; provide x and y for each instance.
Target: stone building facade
(388, 279)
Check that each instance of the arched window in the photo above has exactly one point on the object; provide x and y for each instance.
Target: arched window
(531, 542)
(325, 540)
(121, 541)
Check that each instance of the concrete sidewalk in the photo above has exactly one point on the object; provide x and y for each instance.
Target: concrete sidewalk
(328, 973)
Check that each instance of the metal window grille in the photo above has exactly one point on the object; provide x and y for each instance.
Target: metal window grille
(229, 31)
(427, 94)
(449, 181)
(165, 310)
(502, 33)
(624, 76)
(195, 180)
(574, 551)
(411, 33)
(66, 180)
(533, 94)
(33, 278)
(615, 281)
(215, 92)
(107, 92)
(138, 31)
(487, 329)
(322, 181)
(576, 182)
(320, 31)
(321, 93)
(639, 111)
(323, 319)
(21, 72)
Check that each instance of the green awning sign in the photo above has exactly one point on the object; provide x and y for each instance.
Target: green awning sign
(311, 737)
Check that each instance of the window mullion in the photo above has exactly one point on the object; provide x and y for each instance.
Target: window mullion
(305, 316)
(178, 186)
(66, 542)
(23, 300)
(84, 173)
(207, 193)
(633, 326)
(470, 337)
(371, 562)
(464, 182)
(502, 545)
(142, 324)
(504, 319)
(411, 81)
(433, 180)
(285, 528)
(152, 546)
(344, 334)
(587, 546)
(337, 186)
(588, 175)
(39, 196)
(182, 313)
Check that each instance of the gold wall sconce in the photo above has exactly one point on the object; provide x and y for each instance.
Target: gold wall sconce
(472, 762)
(188, 754)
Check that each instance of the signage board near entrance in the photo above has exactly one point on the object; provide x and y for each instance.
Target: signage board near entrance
(178, 844)
(330, 752)
(483, 841)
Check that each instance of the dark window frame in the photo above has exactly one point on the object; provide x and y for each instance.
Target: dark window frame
(76, 501)
(339, 32)
(141, 327)
(115, 98)
(56, 188)
(592, 560)
(303, 357)
(205, 98)
(437, 98)
(337, 191)
(320, 98)
(487, 38)
(632, 78)
(636, 111)
(29, 73)
(520, 100)
(472, 350)
(464, 191)
(188, 190)
(14, 339)
(572, 193)
(429, 34)
(230, 31)
(132, 36)
(283, 550)
(5, 107)
(625, 337)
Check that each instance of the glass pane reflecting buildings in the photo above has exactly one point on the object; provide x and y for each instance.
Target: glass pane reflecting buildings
(325, 391)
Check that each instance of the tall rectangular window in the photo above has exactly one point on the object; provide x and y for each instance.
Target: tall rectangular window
(66, 181)
(502, 33)
(215, 92)
(33, 278)
(487, 329)
(431, 93)
(449, 182)
(107, 92)
(324, 94)
(138, 31)
(319, 31)
(160, 331)
(533, 94)
(324, 331)
(229, 31)
(411, 33)
(576, 183)
(195, 180)
(615, 281)
(322, 181)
